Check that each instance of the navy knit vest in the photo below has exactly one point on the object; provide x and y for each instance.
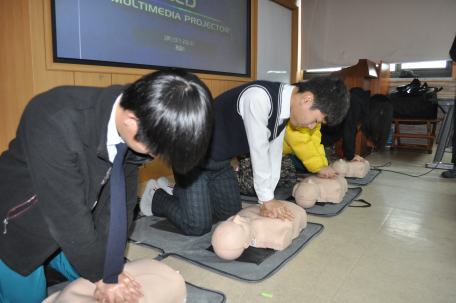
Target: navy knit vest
(229, 138)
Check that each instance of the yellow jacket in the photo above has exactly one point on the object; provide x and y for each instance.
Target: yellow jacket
(305, 143)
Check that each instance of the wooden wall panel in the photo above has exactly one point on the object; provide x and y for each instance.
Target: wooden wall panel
(208, 83)
(363, 82)
(124, 79)
(154, 170)
(16, 81)
(92, 79)
(381, 84)
(219, 87)
(233, 84)
(43, 79)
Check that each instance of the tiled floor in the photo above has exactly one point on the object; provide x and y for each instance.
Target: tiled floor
(402, 249)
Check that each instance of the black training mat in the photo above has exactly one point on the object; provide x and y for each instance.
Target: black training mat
(195, 294)
(333, 209)
(252, 254)
(194, 250)
(368, 179)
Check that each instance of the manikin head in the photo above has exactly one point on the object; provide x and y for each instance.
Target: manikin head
(306, 193)
(356, 169)
(232, 237)
(340, 167)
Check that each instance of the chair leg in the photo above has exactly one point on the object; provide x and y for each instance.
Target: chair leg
(396, 130)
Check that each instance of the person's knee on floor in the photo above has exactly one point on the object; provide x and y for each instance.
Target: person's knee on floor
(199, 229)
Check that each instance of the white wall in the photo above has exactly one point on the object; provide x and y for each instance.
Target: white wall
(274, 42)
(338, 33)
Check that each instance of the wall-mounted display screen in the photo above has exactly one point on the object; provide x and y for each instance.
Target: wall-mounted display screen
(207, 36)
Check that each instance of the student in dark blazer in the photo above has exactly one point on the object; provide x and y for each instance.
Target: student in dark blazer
(55, 176)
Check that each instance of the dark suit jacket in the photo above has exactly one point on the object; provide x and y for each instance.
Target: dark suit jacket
(60, 155)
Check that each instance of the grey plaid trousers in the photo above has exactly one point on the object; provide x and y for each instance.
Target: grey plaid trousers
(211, 188)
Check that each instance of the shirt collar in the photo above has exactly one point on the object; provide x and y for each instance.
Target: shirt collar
(113, 136)
(286, 98)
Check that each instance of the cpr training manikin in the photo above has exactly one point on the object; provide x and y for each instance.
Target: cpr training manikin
(353, 169)
(160, 284)
(249, 228)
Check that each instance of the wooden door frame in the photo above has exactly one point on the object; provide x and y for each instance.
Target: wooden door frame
(295, 7)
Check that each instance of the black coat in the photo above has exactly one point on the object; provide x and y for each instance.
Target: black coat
(348, 129)
(60, 155)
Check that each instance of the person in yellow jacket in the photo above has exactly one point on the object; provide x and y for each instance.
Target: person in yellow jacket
(305, 143)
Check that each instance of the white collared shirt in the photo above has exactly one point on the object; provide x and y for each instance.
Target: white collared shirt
(266, 157)
(113, 136)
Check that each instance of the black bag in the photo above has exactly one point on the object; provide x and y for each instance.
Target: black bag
(415, 89)
(419, 107)
(414, 100)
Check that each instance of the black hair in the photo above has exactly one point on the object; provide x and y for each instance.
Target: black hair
(175, 112)
(331, 97)
(376, 122)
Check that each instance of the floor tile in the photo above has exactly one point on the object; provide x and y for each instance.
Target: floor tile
(378, 280)
(427, 249)
(428, 203)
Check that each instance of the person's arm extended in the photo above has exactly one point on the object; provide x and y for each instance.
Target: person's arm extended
(351, 128)
(265, 156)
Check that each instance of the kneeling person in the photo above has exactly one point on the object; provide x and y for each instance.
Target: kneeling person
(248, 119)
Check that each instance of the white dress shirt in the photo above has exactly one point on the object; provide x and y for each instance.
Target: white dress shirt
(113, 136)
(266, 157)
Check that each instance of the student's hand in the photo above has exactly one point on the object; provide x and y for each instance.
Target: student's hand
(358, 158)
(126, 290)
(276, 209)
(327, 172)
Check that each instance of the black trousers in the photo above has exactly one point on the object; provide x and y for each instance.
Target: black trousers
(211, 188)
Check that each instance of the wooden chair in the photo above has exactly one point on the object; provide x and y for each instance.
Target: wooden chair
(430, 135)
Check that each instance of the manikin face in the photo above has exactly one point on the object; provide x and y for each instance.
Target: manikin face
(306, 193)
(340, 167)
(232, 237)
(302, 116)
(355, 169)
(358, 169)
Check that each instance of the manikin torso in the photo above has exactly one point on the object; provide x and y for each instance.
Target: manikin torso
(356, 169)
(265, 232)
(314, 189)
(160, 283)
